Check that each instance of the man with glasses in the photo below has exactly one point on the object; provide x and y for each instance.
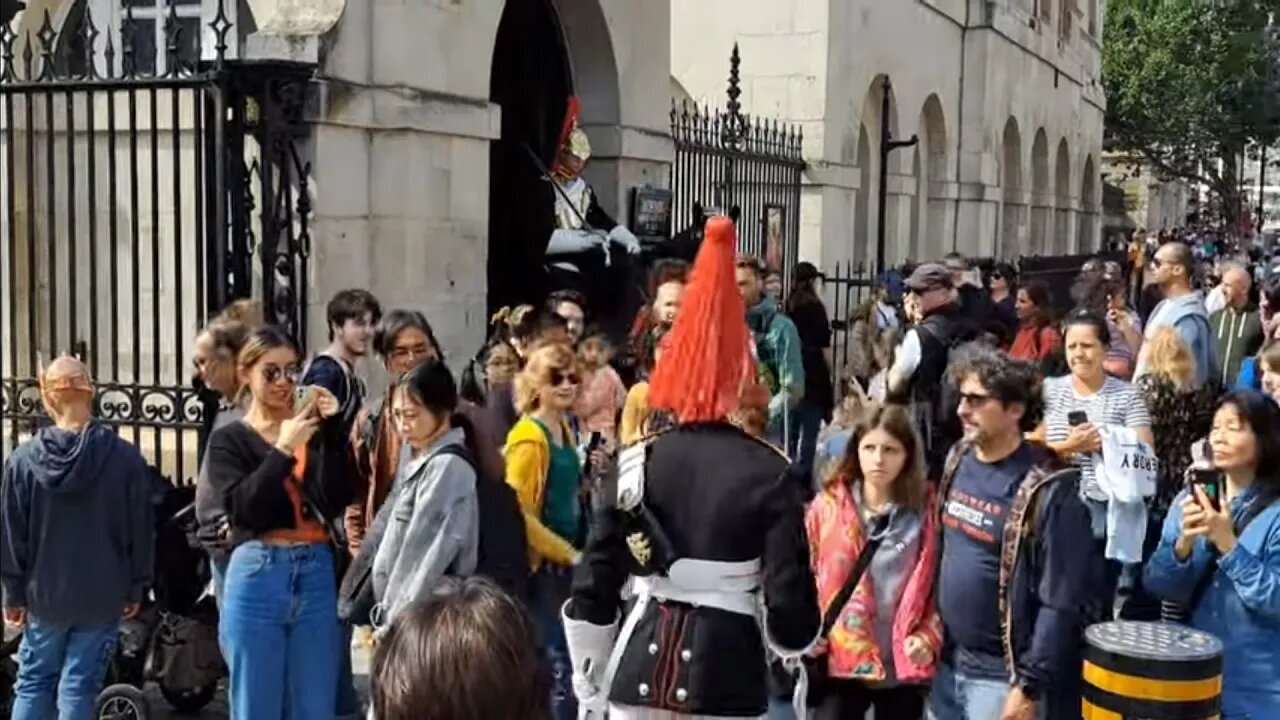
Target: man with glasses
(1183, 310)
(1015, 558)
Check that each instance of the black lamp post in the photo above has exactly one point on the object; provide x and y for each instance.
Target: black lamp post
(887, 145)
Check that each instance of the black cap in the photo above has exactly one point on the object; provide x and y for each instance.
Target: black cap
(807, 271)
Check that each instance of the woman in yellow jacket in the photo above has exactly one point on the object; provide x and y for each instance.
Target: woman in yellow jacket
(545, 468)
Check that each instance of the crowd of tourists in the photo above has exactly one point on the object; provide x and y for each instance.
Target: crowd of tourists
(696, 520)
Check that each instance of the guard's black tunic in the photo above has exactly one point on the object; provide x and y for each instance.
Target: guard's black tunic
(719, 495)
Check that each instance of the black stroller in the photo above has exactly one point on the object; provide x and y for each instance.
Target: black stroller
(174, 639)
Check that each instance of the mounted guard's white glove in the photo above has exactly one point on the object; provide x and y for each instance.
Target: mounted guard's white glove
(625, 238)
(565, 241)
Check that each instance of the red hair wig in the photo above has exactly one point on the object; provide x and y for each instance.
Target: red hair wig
(706, 358)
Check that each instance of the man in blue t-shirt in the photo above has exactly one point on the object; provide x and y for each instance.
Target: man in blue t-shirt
(998, 490)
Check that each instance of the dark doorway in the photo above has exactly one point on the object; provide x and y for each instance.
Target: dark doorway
(531, 81)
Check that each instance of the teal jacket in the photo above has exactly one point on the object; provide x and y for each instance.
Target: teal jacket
(778, 353)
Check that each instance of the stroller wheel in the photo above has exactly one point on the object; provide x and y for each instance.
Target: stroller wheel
(123, 702)
(189, 700)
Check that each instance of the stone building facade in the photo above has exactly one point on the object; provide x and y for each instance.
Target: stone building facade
(1004, 97)
(408, 105)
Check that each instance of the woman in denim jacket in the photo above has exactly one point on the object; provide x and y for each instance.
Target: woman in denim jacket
(1225, 564)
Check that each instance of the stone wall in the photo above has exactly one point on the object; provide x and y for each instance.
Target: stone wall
(960, 76)
(401, 144)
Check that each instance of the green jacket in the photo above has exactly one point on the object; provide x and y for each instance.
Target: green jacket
(778, 355)
(1237, 335)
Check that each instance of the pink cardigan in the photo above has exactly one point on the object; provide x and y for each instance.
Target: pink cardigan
(835, 535)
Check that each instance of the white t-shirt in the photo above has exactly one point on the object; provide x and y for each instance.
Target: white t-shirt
(1116, 403)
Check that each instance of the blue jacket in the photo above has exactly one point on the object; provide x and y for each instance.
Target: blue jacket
(76, 532)
(1241, 606)
(1187, 315)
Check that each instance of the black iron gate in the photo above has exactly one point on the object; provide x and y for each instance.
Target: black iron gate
(146, 184)
(742, 166)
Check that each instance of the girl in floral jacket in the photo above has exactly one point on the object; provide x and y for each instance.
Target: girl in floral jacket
(883, 650)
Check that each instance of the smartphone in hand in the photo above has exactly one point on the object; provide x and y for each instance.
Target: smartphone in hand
(1204, 474)
(301, 396)
(1077, 417)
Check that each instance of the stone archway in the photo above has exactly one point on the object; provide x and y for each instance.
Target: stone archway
(1088, 230)
(863, 222)
(545, 52)
(1062, 231)
(929, 206)
(1041, 202)
(897, 201)
(1013, 205)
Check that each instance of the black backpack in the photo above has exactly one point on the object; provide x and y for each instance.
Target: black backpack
(504, 550)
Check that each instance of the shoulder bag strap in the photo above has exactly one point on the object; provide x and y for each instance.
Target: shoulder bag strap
(874, 537)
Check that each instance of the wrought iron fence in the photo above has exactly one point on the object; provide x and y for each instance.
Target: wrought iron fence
(142, 180)
(847, 287)
(746, 167)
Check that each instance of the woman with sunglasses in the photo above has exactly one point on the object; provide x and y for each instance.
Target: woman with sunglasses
(283, 489)
(545, 468)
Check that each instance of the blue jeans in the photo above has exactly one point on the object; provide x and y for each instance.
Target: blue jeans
(64, 666)
(956, 696)
(279, 632)
(806, 421)
(551, 590)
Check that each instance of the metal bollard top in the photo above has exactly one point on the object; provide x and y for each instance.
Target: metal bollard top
(1163, 641)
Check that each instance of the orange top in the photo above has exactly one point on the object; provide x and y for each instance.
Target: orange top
(304, 530)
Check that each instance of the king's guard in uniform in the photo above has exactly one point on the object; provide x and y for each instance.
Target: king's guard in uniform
(708, 528)
(587, 249)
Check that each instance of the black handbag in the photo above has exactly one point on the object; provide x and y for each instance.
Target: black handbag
(816, 667)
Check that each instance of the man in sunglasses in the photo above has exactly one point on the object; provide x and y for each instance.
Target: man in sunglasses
(1015, 535)
(1183, 310)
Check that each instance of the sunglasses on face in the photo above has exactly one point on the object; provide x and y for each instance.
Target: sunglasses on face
(974, 400)
(560, 377)
(274, 374)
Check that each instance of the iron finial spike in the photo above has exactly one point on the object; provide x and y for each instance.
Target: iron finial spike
(109, 54)
(172, 34)
(28, 56)
(46, 35)
(89, 33)
(221, 26)
(128, 63)
(7, 36)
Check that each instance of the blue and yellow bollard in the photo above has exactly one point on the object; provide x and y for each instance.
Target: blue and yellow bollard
(1151, 671)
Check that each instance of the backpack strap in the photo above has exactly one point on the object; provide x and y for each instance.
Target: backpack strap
(1020, 529)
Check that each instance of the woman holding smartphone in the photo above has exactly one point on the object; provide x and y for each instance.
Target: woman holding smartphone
(283, 490)
(1076, 406)
(1220, 556)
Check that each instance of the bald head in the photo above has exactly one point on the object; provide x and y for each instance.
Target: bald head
(1236, 283)
(67, 391)
(65, 368)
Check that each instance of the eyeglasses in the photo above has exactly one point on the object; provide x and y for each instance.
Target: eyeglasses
(412, 353)
(560, 377)
(274, 373)
(974, 399)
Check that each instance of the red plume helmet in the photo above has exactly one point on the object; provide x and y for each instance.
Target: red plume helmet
(706, 358)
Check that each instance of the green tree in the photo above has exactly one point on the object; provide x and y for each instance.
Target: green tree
(1189, 82)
